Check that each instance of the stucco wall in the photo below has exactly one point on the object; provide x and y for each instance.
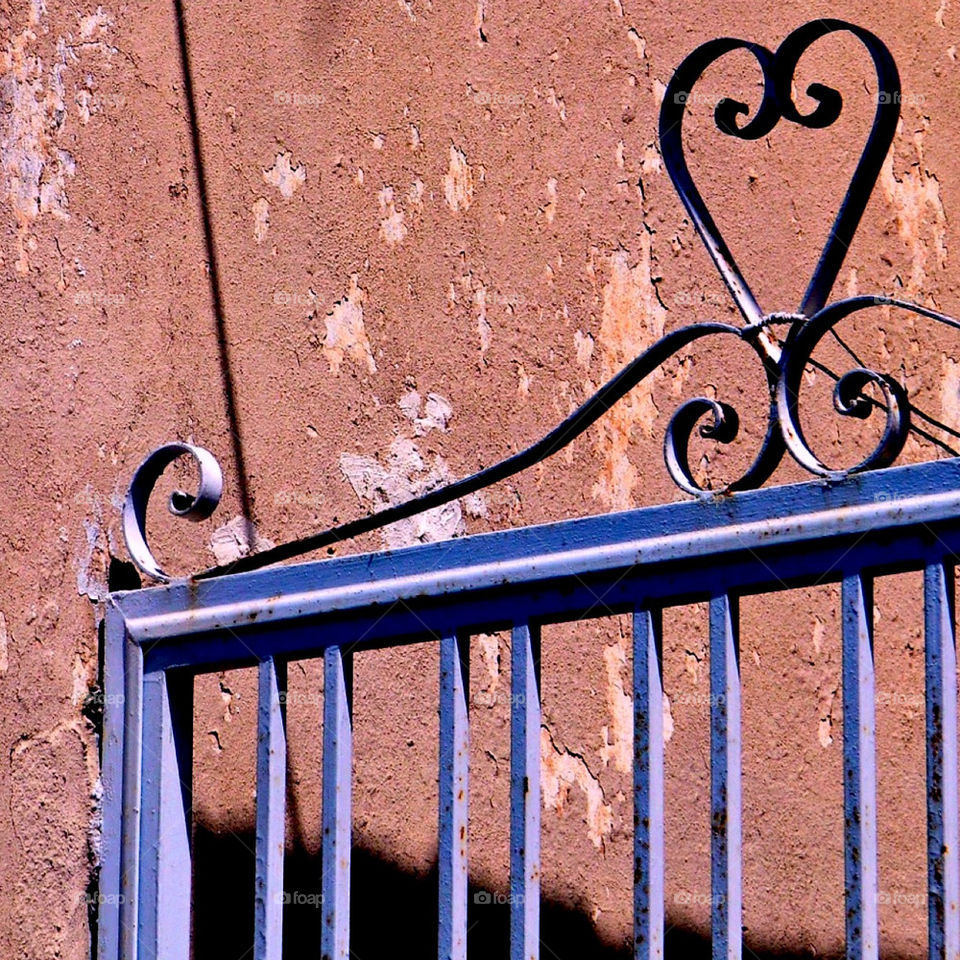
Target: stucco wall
(439, 227)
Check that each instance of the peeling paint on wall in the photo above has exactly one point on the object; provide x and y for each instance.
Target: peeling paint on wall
(631, 320)
(261, 219)
(403, 476)
(288, 177)
(232, 541)
(35, 169)
(486, 688)
(918, 212)
(346, 336)
(433, 414)
(617, 747)
(4, 658)
(406, 475)
(392, 227)
(950, 393)
(561, 771)
(459, 181)
(550, 210)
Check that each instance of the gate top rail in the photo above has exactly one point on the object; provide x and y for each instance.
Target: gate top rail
(779, 522)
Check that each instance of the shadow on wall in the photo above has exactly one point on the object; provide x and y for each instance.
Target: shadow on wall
(392, 911)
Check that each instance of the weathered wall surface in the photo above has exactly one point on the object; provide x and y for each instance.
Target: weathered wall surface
(439, 227)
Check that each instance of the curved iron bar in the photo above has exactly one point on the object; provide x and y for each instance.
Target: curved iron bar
(783, 363)
(580, 420)
(848, 397)
(778, 72)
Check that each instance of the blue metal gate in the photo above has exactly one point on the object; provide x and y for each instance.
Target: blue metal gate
(892, 520)
(846, 527)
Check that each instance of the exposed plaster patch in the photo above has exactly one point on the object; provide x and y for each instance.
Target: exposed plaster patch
(523, 381)
(583, 345)
(631, 320)
(667, 720)
(950, 393)
(558, 103)
(826, 698)
(479, 18)
(639, 43)
(659, 92)
(941, 12)
(91, 561)
(415, 196)
(95, 24)
(459, 181)
(415, 140)
(378, 141)
(617, 747)
(485, 694)
(550, 210)
(83, 678)
(435, 414)
(561, 771)
(392, 227)
(484, 330)
(232, 541)
(261, 219)
(651, 162)
(34, 168)
(346, 335)
(405, 475)
(918, 212)
(853, 283)
(4, 656)
(286, 176)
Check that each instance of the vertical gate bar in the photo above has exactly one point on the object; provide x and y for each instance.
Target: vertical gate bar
(131, 799)
(648, 785)
(271, 809)
(337, 809)
(108, 915)
(165, 863)
(943, 866)
(454, 773)
(859, 769)
(725, 830)
(525, 793)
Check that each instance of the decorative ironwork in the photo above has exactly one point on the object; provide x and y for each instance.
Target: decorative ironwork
(783, 361)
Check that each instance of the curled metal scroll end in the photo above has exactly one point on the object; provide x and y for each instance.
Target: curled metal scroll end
(194, 507)
(723, 429)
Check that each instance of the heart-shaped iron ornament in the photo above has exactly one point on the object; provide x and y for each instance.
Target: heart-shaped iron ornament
(783, 360)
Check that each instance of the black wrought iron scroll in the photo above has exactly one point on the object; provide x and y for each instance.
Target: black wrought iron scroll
(783, 361)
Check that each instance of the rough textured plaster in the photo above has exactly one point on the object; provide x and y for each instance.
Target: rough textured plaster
(511, 317)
